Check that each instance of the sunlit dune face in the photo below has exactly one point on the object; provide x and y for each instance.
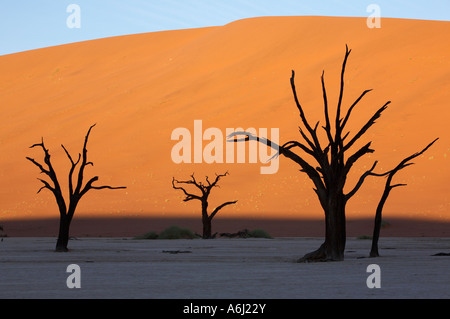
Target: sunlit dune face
(140, 88)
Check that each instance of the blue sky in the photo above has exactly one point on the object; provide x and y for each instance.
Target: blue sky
(32, 24)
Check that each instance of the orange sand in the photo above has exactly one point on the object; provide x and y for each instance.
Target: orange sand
(139, 88)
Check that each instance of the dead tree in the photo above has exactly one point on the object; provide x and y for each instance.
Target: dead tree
(334, 161)
(66, 212)
(387, 189)
(203, 198)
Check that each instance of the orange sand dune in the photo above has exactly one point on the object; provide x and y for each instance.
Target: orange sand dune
(139, 88)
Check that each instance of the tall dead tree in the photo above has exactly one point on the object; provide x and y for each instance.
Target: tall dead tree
(205, 190)
(66, 212)
(334, 161)
(387, 189)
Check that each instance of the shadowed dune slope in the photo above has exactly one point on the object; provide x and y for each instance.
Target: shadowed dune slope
(139, 88)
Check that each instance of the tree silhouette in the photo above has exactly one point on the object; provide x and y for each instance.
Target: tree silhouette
(67, 212)
(387, 189)
(334, 162)
(203, 198)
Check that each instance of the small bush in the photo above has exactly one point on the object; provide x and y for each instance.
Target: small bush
(175, 232)
(172, 232)
(149, 235)
(259, 233)
(256, 233)
(364, 237)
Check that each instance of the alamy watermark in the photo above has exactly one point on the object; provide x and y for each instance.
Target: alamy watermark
(74, 279)
(374, 19)
(190, 147)
(374, 279)
(73, 21)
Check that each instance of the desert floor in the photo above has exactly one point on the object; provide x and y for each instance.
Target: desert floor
(220, 268)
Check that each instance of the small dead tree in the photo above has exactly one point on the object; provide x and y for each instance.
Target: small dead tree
(75, 194)
(203, 198)
(387, 189)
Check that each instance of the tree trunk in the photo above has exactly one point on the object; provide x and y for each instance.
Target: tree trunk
(335, 233)
(63, 236)
(207, 229)
(377, 223)
(206, 221)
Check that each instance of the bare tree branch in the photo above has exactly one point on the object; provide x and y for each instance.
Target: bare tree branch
(218, 177)
(46, 185)
(311, 131)
(84, 162)
(366, 126)
(291, 144)
(306, 168)
(50, 172)
(43, 170)
(216, 210)
(341, 94)
(72, 168)
(88, 186)
(352, 159)
(327, 126)
(188, 195)
(397, 185)
(360, 182)
(351, 108)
